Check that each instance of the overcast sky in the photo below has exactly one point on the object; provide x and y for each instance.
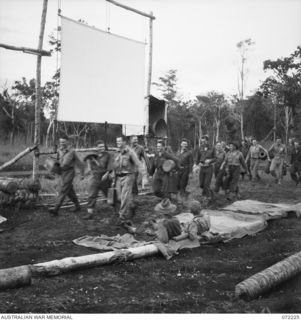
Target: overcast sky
(196, 37)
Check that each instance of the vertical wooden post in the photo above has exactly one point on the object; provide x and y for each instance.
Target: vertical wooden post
(38, 102)
(106, 135)
(149, 74)
(275, 121)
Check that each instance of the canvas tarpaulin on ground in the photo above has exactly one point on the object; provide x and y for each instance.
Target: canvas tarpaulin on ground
(102, 76)
(265, 209)
(224, 227)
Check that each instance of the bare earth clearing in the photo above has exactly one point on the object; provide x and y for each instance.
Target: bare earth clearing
(198, 280)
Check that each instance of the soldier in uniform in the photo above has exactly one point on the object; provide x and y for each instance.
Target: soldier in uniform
(125, 165)
(233, 160)
(218, 172)
(205, 159)
(254, 157)
(186, 162)
(68, 159)
(279, 151)
(244, 148)
(160, 177)
(295, 161)
(141, 154)
(100, 165)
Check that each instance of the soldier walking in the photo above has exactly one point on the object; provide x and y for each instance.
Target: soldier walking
(279, 151)
(141, 154)
(233, 160)
(186, 163)
(100, 165)
(205, 159)
(68, 159)
(161, 179)
(125, 165)
(295, 161)
(254, 157)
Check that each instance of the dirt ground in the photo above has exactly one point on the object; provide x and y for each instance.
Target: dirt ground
(200, 280)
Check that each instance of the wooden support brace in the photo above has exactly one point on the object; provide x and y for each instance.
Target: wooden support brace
(17, 157)
(26, 50)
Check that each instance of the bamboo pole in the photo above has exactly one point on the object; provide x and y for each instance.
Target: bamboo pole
(17, 157)
(131, 9)
(38, 102)
(263, 281)
(26, 50)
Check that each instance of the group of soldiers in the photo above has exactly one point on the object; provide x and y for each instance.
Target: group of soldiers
(116, 173)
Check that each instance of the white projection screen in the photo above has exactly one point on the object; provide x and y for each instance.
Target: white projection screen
(102, 76)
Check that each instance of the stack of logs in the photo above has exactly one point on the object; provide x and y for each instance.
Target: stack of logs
(16, 191)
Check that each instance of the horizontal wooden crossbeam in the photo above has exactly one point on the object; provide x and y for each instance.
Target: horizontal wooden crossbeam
(131, 9)
(26, 50)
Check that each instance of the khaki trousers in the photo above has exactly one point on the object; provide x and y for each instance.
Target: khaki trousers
(124, 187)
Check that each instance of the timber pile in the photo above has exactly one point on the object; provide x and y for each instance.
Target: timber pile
(18, 191)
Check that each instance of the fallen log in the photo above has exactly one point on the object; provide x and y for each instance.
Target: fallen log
(21, 276)
(17, 157)
(15, 277)
(263, 281)
(28, 184)
(8, 185)
(55, 267)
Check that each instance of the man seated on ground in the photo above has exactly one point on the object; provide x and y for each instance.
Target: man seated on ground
(167, 228)
(195, 229)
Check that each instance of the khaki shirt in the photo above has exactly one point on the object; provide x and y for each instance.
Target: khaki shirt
(278, 150)
(68, 159)
(126, 161)
(254, 151)
(235, 158)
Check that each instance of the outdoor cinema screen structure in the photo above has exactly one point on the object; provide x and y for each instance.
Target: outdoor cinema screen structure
(102, 76)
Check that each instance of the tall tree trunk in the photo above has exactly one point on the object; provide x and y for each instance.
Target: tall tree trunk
(12, 134)
(218, 123)
(38, 102)
(242, 121)
(48, 131)
(200, 131)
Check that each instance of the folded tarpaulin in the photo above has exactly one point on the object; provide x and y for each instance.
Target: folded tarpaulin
(106, 243)
(229, 225)
(267, 210)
